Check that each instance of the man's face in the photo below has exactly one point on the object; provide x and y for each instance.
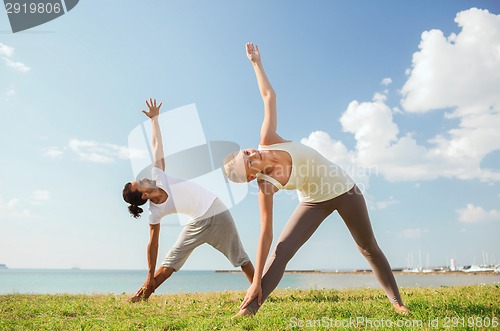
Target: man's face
(142, 184)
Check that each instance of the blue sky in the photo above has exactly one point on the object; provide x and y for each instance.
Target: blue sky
(404, 95)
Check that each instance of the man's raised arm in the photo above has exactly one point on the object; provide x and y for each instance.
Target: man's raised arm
(152, 113)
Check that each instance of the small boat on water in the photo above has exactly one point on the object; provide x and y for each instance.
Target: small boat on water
(479, 268)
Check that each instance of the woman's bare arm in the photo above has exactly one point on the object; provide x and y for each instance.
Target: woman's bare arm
(266, 194)
(268, 133)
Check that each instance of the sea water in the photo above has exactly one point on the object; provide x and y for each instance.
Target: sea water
(186, 281)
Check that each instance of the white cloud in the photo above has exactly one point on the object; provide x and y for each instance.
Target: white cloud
(413, 233)
(386, 81)
(379, 205)
(53, 152)
(92, 151)
(40, 196)
(472, 214)
(371, 123)
(16, 65)
(10, 93)
(385, 204)
(7, 52)
(99, 152)
(396, 110)
(12, 209)
(379, 97)
(461, 72)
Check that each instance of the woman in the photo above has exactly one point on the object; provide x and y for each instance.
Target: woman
(210, 222)
(322, 186)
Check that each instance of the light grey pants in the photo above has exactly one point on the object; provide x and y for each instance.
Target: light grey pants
(306, 219)
(215, 228)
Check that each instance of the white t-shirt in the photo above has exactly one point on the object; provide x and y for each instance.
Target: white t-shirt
(184, 197)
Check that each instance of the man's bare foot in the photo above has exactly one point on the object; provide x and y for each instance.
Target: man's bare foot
(142, 295)
(243, 313)
(401, 309)
(134, 299)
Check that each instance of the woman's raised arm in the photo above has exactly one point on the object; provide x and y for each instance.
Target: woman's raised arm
(268, 134)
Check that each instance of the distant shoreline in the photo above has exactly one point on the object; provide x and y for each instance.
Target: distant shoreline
(360, 272)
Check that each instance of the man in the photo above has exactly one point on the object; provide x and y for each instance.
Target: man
(210, 221)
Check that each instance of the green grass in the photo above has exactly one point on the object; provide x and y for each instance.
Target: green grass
(467, 308)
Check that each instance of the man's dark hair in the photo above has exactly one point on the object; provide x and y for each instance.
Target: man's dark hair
(134, 198)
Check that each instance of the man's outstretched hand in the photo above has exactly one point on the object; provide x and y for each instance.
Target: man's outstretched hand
(153, 110)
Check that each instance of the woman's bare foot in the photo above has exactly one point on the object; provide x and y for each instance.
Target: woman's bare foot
(243, 313)
(401, 309)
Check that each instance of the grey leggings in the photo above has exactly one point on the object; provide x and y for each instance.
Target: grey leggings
(302, 224)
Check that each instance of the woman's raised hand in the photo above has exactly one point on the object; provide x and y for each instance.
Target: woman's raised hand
(253, 52)
(153, 110)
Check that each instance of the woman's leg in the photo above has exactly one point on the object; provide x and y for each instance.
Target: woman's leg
(301, 225)
(351, 207)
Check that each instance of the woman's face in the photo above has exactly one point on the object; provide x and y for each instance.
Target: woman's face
(253, 161)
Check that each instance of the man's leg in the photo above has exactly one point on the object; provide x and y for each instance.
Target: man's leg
(161, 275)
(249, 270)
(192, 236)
(224, 237)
